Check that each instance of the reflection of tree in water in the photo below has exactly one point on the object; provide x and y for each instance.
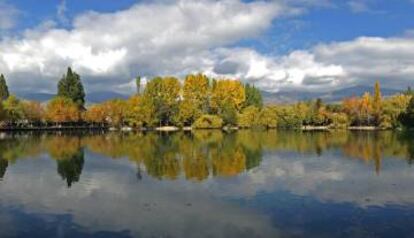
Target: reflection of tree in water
(200, 154)
(70, 169)
(407, 138)
(69, 155)
(195, 155)
(253, 158)
(3, 167)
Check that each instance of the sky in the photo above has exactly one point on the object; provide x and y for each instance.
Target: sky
(303, 45)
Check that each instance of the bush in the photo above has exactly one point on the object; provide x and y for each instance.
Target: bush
(288, 118)
(249, 117)
(208, 122)
(268, 117)
(339, 120)
(385, 122)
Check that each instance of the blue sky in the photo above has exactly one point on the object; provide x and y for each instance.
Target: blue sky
(281, 44)
(334, 21)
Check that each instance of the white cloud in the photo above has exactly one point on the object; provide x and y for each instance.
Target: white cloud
(150, 208)
(8, 15)
(367, 59)
(148, 39)
(340, 64)
(364, 6)
(168, 37)
(358, 6)
(298, 69)
(61, 12)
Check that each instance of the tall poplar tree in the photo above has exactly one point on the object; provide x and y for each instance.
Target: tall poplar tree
(70, 86)
(4, 90)
(138, 84)
(377, 103)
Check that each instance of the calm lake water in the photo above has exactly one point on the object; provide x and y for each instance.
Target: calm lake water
(207, 184)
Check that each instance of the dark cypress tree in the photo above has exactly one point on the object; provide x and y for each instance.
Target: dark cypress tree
(70, 86)
(253, 96)
(407, 118)
(229, 113)
(409, 91)
(4, 90)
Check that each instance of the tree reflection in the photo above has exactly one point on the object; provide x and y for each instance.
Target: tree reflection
(407, 139)
(197, 155)
(3, 167)
(70, 169)
(69, 155)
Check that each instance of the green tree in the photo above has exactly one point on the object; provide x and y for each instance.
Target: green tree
(377, 103)
(229, 113)
(268, 117)
(208, 122)
(138, 84)
(4, 90)
(227, 92)
(249, 117)
(253, 96)
(13, 108)
(195, 98)
(407, 118)
(70, 86)
(188, 112)
(289, 118)
(163, 94)
(140, 112)
(392, 107)
(409, 91)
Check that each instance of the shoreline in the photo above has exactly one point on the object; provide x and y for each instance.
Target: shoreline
(185, 129)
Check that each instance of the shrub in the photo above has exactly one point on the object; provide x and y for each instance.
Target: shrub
(339, 120)
(385, 122)
(268, 117)
(208, 122)
(249, 117)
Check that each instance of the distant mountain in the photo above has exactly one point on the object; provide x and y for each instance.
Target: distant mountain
(93, 97)
(97, 97)
(269, 97)
(333, 96)
(41, 97)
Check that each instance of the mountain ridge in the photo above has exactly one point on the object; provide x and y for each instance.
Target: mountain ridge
(332, 96)
(268, 97)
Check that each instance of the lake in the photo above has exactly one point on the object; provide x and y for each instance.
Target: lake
(207, 184)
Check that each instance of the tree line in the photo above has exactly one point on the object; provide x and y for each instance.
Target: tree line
(201, 102)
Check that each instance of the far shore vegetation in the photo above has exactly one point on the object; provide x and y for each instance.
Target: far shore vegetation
(199, 102)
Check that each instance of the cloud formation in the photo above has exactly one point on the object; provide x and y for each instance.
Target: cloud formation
(148, 39)
(180, 37)
(8, 15)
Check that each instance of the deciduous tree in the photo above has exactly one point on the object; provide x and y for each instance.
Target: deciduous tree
(163, 94)
(227, 92)
(13, 108)
(61, 110)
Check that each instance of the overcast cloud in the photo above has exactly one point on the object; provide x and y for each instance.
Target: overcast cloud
(180, 37)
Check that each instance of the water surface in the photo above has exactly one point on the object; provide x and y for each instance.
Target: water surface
(207, 184)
